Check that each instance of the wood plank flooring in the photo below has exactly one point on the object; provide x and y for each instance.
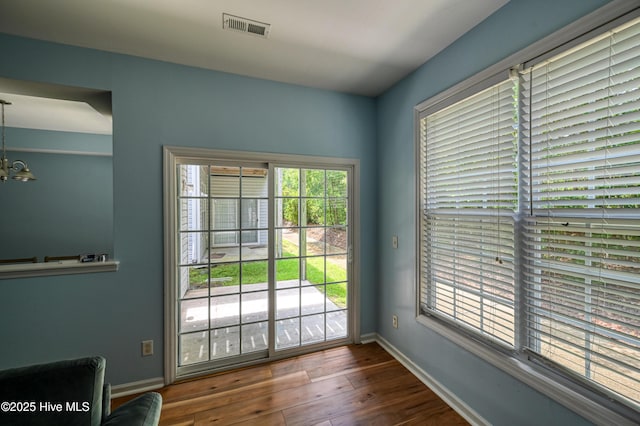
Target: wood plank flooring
(348, 385)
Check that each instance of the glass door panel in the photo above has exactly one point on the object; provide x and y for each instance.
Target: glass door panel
(224, 277)
(311, 237)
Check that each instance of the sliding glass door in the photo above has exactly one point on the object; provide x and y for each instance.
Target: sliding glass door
(261, 261)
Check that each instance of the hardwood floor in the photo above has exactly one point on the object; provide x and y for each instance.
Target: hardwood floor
(348, 385)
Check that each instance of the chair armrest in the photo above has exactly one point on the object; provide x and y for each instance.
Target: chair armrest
(143, 410)
(106, 400)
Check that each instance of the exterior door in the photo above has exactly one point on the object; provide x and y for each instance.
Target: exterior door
(263, 262)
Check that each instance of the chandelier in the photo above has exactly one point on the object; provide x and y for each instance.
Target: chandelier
(19, 168)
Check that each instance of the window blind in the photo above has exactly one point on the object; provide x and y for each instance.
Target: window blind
(580, 115)
(468, 198)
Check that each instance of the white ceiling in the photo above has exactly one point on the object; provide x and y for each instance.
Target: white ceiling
(354, 46)
(46, 106)
(31, 112)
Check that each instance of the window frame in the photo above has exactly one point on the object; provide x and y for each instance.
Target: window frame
(586, 401)
(502, 215)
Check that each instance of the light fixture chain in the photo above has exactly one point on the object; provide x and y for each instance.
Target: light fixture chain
(4, 151)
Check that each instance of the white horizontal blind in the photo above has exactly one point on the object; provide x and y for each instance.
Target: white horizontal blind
(581, 134)
(468, 198)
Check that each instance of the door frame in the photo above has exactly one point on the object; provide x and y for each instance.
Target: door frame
(172, 155)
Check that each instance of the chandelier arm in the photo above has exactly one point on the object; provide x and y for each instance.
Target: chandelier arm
(21, 163)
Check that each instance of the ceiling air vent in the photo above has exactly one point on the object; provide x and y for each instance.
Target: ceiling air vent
(244, 25)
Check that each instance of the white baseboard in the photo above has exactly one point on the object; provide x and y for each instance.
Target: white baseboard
(136, 387)
(445, 394)
(368, 338)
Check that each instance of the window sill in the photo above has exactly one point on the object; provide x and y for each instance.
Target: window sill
(572, 398)
(56, 268)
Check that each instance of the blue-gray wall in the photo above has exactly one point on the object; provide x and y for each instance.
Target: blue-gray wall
(156, 104)
(493, 394)
(68, 210)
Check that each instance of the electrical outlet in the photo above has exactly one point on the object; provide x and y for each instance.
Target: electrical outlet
(147, 347)
(395, 321)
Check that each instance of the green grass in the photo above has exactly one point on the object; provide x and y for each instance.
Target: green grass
(287, 268)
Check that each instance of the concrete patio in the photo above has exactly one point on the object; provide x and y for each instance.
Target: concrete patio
(218, 326)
